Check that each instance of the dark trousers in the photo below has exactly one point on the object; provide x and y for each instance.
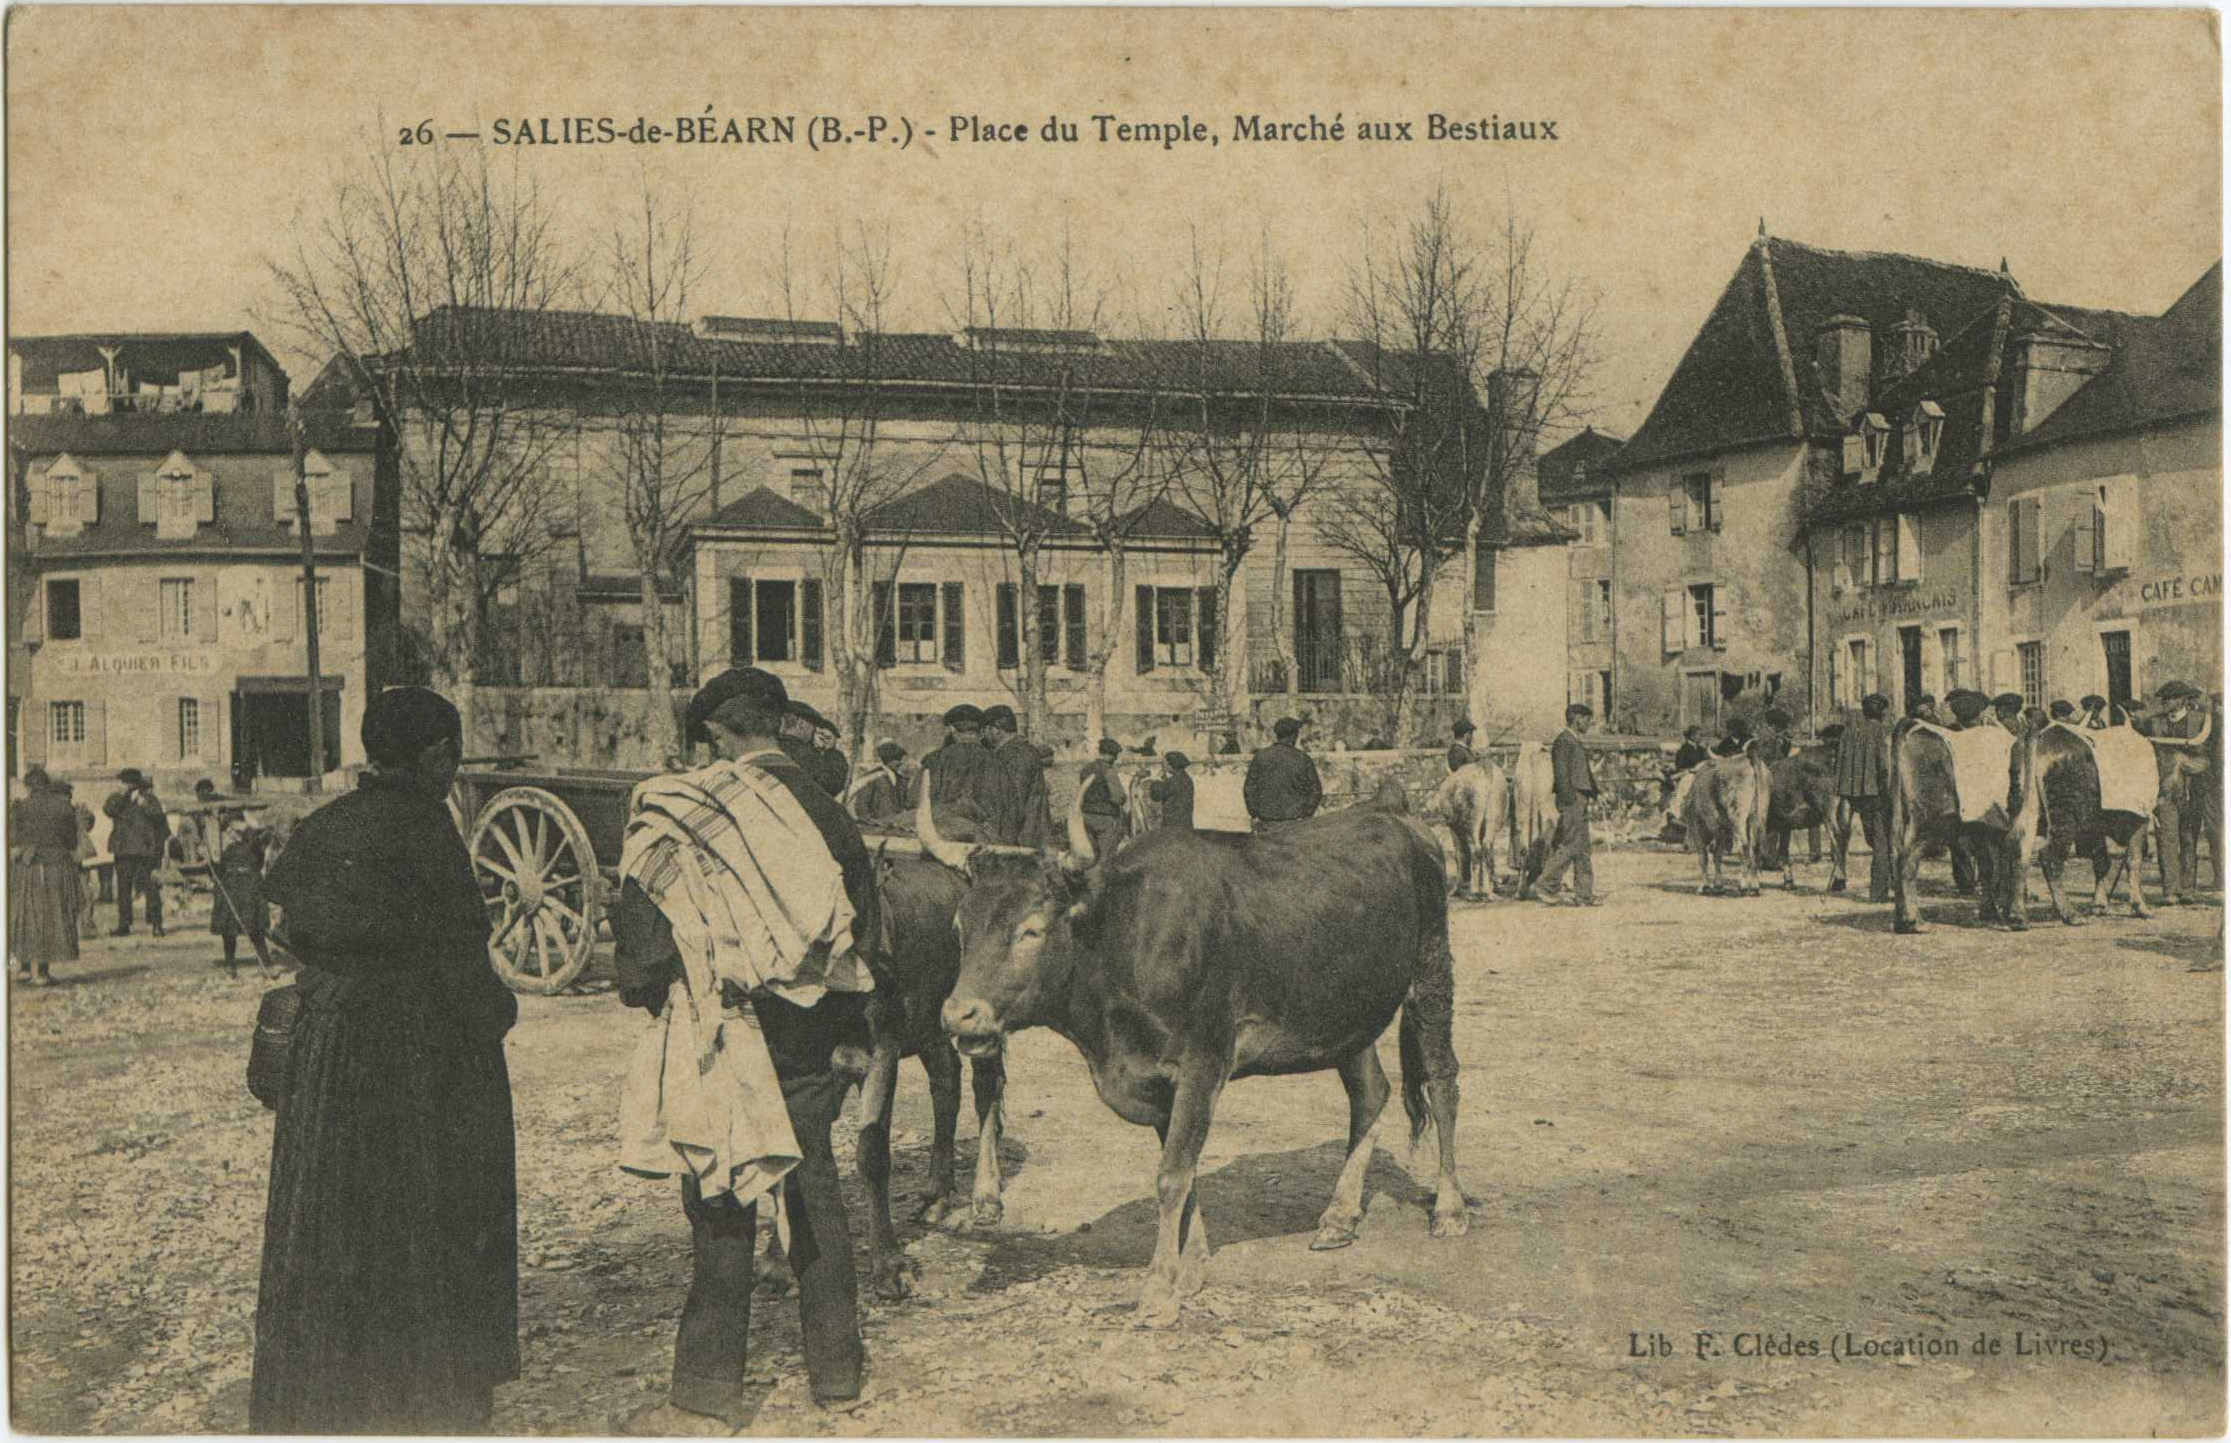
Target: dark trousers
(2176, 855)
(716, 1321)
(2203, 821)
(1874, 824)
(1106, 831)
(135, 875)
(1572, 847)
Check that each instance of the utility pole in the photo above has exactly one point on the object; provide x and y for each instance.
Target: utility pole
(309, 597)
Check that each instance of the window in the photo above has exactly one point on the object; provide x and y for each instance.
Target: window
(1857, 564)
(1696, 503)
(1955, 669)
(1603, 610)
(806, 487)
(1061, 626)
(1173, 627)
(1924, 429)
(917, 629)
(631, 666)
(1887, 533)
(63, 623)
(176, 595)
(1874, 441)
(1050, 488)
(2031, 656)
(1592, 519)
(66, 723)
(1704, 616)
(1483, 578)
(776, 604)
(189, 728)
(1859, 659)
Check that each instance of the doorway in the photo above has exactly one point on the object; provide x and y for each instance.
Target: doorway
(1909, 659)
(2115, 646)
(1318, 642)
(1700, 700)
(271, 733)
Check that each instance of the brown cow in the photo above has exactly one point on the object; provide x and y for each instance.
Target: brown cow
(1925, 810)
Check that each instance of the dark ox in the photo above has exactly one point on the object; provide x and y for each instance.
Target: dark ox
(1185, 962)
(2059, 814)
(1925, 812)
(1803, 796)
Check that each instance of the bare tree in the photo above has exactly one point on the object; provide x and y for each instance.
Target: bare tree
(845, 399)
(657, 436)
(1247, 443)
(410, 275)
(1123, 469)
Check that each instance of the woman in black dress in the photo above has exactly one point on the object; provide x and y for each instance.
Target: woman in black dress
(390, 1294)
(239, 906)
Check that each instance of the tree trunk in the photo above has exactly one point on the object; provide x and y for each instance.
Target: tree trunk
(1230, 680)
(664, 735)
(453, 624)
(850, 630)
(1115, 569)
(1282, 634)
(1033, 718)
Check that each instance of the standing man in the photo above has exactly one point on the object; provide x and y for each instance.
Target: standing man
(1863, 780)
(2062, 711)
(1104, 800)
(2169, 721)
(1968, 708)
(2095, 713)
(1924, 709)
(810, 740)
(1460, 750)
(1175, 793)
(136, 839)
(788, 1008)
(2006, 710)
(1574, 785)
(1734, 739)
(2203, 816)
(1018, 806)
(1282, 784)
(958, 776)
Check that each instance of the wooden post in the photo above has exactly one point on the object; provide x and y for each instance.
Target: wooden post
(309, 598)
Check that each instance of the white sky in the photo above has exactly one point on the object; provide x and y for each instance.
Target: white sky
(158, 155)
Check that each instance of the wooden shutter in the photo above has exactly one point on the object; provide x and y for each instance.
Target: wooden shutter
(340, 596)
(2119, 551)
(956, 618)
(809, 623)
(34, 615)
(212, 732)
(1712, 503)
(1143, 623)
(205, 607)
(739, 621)
(1073, 625)
(1677, 501)
(1673, 607)
(144, 609)
(205, 497)
(2084, 533)
(1855, 455)
(89, 606)
(41, 511)
(1719, 618)
(1204, 633)
(1008, 647)
(89, 499)
(150, 498)
(886, 624)
(1484, 562)
(1909, 549)
(96, 733)
(336, 500)
(2033, 534)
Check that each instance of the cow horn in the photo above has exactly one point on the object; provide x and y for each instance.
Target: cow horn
(1080, 838)
(951, 854)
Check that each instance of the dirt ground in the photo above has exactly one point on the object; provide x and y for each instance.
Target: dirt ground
(1978, 1161)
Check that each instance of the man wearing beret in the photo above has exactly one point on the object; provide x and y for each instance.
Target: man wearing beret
(879, 793)
(1105, 799)
(810, 740)
(1175, 793)
(140, 833)
(1968, 708)
(959, 777)
(1017, 805)
(1460, 749)
(1282, 785)
(2006, 710)
(1863, 780)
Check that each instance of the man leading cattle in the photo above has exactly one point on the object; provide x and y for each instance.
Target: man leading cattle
(747, 883)
(1575, 789)
(1863, 780)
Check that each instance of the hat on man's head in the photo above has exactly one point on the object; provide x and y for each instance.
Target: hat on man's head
(2061, 710)
(1874, 704)
(1286, 728)
(2177, 691)
(890, 753)
(206, 788)
(800, 710)
(761, 690)
(2007, 701)
(1110, 747)
(1000, 716)
(35, 777)
(1925, 699)
(1464, 729)
(2094, 702)
(131, 777)
(1777, 717)
(963, 715)
(1177, 760)
(403, 721)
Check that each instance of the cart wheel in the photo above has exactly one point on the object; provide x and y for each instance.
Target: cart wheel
(539, 876)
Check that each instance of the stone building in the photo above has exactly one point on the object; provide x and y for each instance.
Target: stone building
(1576, 490)
(160, 623)
(1023, 417)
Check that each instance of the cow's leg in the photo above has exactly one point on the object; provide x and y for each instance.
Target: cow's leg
(1839, 845)
(1200, 1082)
(1486, 854)
(943, 1064)
(887, 1271)
(1905, 874)
(1463, 859)
(987, 1077)
(1789, 856)
(1366, 1082)
(2051, 858)
(1429, 1080)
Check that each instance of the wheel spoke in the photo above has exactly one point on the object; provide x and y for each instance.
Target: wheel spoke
(502, 872)
(553, 884)
(541, 837)
(542, 944)
(580, 923)
(504, 839)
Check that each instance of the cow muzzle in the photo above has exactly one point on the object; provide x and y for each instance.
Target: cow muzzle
(972, 1025)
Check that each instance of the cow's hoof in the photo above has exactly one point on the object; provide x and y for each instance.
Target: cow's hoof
(1335, 1230)
(1192, 1271)
(892, 1276)
(1904, 928)
(988, 1212)
(1158, 1305)
(2072, 920)
(1451, 1224)
(1754, 891)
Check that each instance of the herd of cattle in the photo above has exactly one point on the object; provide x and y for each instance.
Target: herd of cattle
(1188, 959)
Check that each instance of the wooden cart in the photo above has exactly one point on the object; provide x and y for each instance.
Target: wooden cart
(545, 846)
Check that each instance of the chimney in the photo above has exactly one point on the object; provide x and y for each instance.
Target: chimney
(1844, 356)
(1911, 342)
(2045, 371)
(1513, 400)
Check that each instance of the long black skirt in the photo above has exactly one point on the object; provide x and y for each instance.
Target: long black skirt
(390, 1294)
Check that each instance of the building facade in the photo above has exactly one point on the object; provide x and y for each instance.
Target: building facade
(161, 624)
(141, 373)
(1576, 490)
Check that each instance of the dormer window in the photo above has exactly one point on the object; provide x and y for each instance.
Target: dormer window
(330, 494)
(1924, 430)
(65, 498)
(177, 497)
(1873, 441)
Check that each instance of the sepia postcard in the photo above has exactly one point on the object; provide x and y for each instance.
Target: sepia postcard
(721, 721)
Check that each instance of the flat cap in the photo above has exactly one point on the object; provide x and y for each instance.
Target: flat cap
(890, 753)
(1000, 716)
(2007, 699)
(1177, 760)
(1286, 727)
(964, 715)
(1110, 747)
(131, 777)
(2061, 710)
(1776, 717)
(2177, 691)
(1464, 729)
(747, 683)
(2094, 702)
(800, 710)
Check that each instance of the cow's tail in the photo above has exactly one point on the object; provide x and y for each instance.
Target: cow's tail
(1427, 1031)
(1413, 1074)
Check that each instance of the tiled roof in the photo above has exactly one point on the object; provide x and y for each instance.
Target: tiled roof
(1159, 520)
(962, 505)
(156, 356)
(764, 508)
(1731, 388)
(2166, 369)
(557, 343)
(1574, 469)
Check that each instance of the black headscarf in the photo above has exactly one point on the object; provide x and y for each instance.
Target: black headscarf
(403, 721)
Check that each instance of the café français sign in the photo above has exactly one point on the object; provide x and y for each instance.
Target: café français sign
(1888, 605)
(136, 663)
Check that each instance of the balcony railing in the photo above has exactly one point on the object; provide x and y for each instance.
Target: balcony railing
(1358, 665)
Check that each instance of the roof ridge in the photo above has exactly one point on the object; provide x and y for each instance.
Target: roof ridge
(1987, 272)
(1764, 247)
